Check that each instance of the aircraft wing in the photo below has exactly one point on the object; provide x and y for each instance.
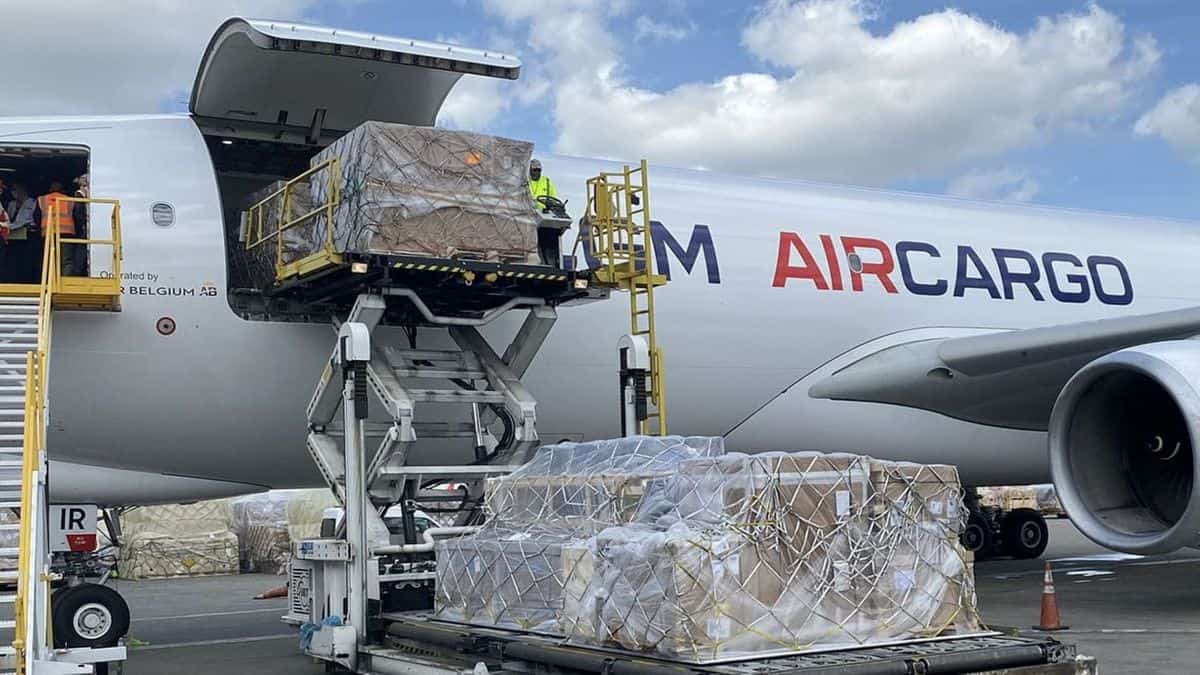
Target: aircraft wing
(1006, 379)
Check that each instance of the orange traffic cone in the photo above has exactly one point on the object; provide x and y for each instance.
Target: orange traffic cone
(1050, 619)
(276, 592)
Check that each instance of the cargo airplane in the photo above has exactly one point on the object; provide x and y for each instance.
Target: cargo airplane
(1021, 343)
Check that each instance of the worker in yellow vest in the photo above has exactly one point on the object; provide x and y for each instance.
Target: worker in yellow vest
(539, 185)
(53, 207)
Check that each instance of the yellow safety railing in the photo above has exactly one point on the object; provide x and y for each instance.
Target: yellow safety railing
(33, 443)
(76, 289)
(618, 238)
(269, 218)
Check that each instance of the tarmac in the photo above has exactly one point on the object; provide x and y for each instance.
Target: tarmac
(1136, 615)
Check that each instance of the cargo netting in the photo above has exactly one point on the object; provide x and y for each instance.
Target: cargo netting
(699, 555)
(431, 192)
(510, 573)
(399, 190)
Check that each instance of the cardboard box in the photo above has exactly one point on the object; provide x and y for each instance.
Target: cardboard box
(921, 590)
(701, 596)
(915, 493)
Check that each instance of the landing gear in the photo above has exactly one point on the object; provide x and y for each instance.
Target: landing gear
(978, 537)
(1025, 534)
(88, 615)
(992, 531)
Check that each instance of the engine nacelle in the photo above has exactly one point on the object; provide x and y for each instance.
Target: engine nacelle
(1122, 440)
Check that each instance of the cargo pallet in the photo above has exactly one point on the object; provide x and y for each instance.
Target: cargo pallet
(466, 282)
(448, 286)
(440, 646)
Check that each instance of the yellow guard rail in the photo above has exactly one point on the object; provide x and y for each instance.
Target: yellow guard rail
(269, 218)
(83, 292)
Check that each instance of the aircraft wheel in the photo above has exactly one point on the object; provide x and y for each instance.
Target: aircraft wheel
(977, 537)
(1025, 534)
(89, 615)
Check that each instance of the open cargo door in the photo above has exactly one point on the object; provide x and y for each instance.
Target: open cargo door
(269, 80)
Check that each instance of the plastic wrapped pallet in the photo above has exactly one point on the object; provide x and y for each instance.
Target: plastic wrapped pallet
(511, 572)
(757, 554)
(150, 555)
(174, 540)
(260, 523)
(268, 522)
(586, 487)
(502, 578)
(430, 192)
(775, 553)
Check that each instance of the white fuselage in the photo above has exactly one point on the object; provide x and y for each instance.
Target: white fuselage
(223, 398)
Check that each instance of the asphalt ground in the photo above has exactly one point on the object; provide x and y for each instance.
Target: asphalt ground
(1136, 615)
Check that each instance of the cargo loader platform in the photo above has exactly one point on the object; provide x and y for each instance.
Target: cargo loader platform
(448, 286)
(444, 215)
(456, 647)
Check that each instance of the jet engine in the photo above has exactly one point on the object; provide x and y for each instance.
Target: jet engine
(1123, 434)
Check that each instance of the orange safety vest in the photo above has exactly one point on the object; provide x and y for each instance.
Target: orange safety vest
(66, 223)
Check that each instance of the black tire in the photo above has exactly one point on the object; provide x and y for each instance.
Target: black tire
(56, 597)
(977, 537)
(89, 615)
(1025, 534)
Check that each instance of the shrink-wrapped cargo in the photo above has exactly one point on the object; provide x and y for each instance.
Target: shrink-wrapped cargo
(777, 552)
(511, 572)
(503, 578)
(701, 555)
(150, 555)
(430, 192)
(586, 487)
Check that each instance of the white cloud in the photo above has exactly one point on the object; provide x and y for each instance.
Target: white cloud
(928, 95)
(1007, 184)
(647, 29)
(106, 58)
(1176, 119)
(474, 102)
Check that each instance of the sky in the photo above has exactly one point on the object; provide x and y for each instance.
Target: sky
(1090, 105)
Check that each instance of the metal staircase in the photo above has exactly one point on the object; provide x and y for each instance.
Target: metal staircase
(19, 359)
(484, 386)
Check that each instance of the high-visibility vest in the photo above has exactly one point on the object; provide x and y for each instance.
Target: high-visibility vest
(541, 187)
(66, 223)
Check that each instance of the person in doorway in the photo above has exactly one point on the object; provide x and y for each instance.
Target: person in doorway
(19, 266)
(539, 184)
(5, 270)
(54, 207)
(80, 214)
